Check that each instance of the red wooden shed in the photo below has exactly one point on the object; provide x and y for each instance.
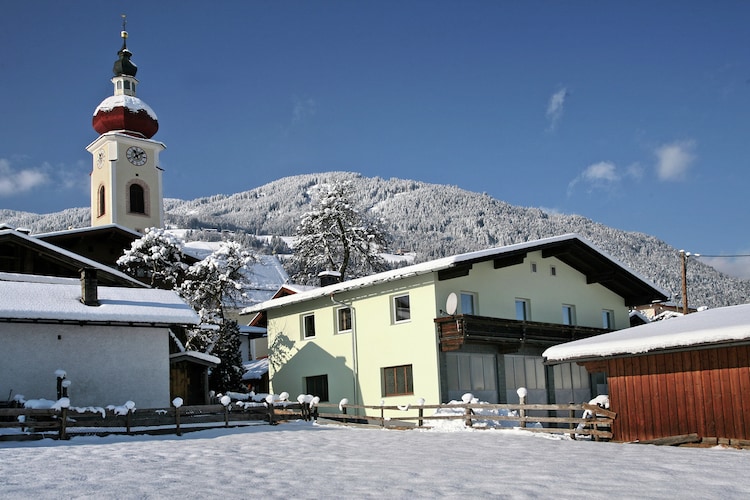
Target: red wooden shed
(687, 375)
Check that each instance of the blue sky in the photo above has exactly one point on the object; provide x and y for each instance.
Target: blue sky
(634, 114)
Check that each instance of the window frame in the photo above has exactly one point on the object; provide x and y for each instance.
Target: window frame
(474, 302)
(608, 319)
(569, 314)
(305, 329)
(338, 319)
(526, 309)
(388, 389)
(322, 381)
(396, 309)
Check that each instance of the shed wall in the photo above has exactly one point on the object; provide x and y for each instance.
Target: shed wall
(701, 391)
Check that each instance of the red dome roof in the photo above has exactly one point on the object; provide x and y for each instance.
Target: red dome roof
(127, 114)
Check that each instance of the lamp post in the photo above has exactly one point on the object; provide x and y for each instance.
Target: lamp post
(683, 260)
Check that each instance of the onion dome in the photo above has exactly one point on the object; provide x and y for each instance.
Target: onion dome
(123, 111)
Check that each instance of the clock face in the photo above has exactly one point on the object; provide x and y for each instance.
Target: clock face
(136, 156)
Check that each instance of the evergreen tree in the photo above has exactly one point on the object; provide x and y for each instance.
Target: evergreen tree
(155, 258)
(228, 375)
(334, 236)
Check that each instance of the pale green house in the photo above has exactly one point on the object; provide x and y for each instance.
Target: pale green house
(476, 322)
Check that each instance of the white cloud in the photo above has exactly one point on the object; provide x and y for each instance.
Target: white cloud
(674, 160)
(555, 107)
(605, 175)
(19, 181)
(738, 267)
(303, 109)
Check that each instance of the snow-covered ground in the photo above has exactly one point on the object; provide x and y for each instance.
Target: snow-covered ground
(304, 460)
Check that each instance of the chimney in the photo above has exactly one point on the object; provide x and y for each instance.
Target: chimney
(329, 277)
(89, 292)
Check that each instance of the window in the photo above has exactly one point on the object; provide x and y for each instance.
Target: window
(524, 371)
(570, 376)
(397, 381)
(401, 309)
(523, 310)
(468, 303)
(533, 267)
(552, 271)
(100, 209)
(137, 199)
(568, 314)
(317, 386)
(127, 85)
(308, 326)
(608, 319)
(344, 319)
(469, 372)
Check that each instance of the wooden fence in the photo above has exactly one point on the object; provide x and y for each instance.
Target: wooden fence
(592, 421)
(66, 422)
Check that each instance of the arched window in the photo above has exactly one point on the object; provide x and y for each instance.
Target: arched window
(119, 84)
(127, 85)
(101, 204)
(137, 199)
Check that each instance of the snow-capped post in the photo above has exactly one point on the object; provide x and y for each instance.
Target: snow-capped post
(226, 400)
(65, 385)
(420, 403)
(522, 393)
(60, 374)
(269, 404)
(467, 399)
(177, 402)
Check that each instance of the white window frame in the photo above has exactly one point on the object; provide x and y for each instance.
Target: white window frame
(339, 311)
(569, 314)
(305, 317)
(608, 319)
(396, 308)
(526, 309)
(474, 303)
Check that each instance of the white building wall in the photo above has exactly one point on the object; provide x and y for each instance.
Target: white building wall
(105, 364)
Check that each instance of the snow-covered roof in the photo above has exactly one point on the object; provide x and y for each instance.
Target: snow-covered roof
(82, 261)
(44, 298)
(79, 230)
(255, 369)
(454, 261)
(200, 357)
(712, 326)
(132, 103)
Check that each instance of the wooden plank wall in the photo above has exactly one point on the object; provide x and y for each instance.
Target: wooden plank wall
(703, 391)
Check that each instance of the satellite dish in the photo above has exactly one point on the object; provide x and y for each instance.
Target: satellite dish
(451, 303)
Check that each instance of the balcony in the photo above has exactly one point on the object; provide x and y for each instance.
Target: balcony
(455, 331)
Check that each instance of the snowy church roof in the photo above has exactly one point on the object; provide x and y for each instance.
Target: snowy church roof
(569, 248)
(45, 298)
(710, 327)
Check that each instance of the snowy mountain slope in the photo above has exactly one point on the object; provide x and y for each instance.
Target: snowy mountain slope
(430, 219)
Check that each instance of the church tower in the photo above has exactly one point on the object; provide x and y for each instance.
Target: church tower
(126, 180)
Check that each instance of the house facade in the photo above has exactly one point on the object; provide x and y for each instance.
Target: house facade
(112, 342)
(476, 322)
(677, 377)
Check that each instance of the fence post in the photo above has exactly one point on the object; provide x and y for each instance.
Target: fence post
(128, 420)
(382, 416)
(63, 422)
(522, 394)
(177, 402)
(270, 414)
(572, 415)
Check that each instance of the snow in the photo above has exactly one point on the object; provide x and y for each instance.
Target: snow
(61, 301)
(305, 460)
(710, 326)
(133, 104)
(255, 369)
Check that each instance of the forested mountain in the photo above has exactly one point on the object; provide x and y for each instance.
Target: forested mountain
(429, 219)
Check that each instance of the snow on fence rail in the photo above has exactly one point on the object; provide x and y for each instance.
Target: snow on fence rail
(593, 421)
(63, 421)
